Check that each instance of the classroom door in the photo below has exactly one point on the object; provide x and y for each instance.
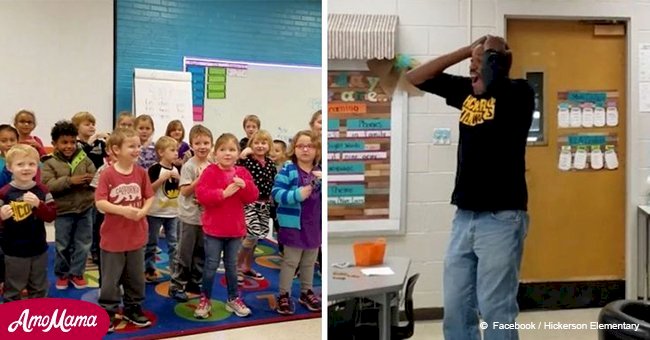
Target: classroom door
(577, 225)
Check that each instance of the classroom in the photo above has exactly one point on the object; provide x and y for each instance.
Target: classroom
(575, 249)
(223, 101)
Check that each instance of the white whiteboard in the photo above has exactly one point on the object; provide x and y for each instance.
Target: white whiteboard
(165, 96)
(283, 96)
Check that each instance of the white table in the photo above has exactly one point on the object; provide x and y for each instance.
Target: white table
(643, 251)
(380, 289)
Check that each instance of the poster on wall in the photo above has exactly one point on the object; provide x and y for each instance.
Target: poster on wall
(284, 97)
(358, 147)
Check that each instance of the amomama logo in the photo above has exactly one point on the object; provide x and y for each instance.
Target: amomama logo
(52, 318)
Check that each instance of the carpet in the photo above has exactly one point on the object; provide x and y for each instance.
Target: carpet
(170, 318)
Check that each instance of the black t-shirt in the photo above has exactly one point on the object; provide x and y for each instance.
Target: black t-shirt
(95, 151)
(243, 143)
(491, 165)
(23, 234)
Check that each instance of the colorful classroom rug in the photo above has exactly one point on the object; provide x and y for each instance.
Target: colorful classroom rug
(171, 318)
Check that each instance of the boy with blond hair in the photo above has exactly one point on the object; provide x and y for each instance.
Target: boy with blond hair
(187, 268)
(24, 207)
(91, 142)
(164, 176)
(124, 194)
(94, 145)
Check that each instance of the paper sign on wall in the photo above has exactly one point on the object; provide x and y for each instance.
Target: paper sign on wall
(599, 116)
(576, 116)
(612, 116)
(564, 163)
(563, 116)
(596, 157)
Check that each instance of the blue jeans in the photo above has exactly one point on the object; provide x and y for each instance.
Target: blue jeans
(481, 273)
(213, 248)
(171, 236)
(73, 237)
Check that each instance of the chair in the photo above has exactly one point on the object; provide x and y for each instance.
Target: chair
(628, 312)
(405, 329)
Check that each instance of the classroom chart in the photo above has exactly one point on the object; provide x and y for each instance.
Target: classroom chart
(282, 96)
(358, 147)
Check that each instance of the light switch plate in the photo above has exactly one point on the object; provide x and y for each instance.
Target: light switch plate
(442, 136)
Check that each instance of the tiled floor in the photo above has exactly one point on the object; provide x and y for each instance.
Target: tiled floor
(426, 330)
(432, 330)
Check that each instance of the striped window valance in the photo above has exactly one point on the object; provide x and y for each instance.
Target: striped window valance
(361, 36)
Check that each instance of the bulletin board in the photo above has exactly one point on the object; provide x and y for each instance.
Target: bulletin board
(283, 96)
(366, 154)
(586, 139)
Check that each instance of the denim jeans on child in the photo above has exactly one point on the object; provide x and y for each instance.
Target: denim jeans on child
(171, 236)
(73, 237)
(481, 273)
(213, 248)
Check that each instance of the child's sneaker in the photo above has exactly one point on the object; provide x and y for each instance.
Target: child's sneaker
(253, 275)
(152, 277)
(135, 315)
(284, 305)
(240, 279)
(78, 282)
(204, 308)
(111, 322)
(193, 288)
(62, 283)
(221, 269)
(177, 295)
(238, 307)
(310, 300)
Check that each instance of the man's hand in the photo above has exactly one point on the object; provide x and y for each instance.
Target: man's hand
(6, 212)
(31, 199)
(479, 41)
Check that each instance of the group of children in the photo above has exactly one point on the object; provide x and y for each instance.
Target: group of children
(110, 195)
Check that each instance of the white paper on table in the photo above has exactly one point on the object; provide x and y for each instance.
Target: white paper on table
(611, 160)
(644, 62)
(612, 116)
(644, 97)
(599, 117)
(563, 117)
(576, 117)
(580, 159)
(587, 117)
(596, 159)
(565, 161)
(379, 271)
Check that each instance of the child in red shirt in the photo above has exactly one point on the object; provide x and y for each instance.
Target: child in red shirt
(223, 190)
(124, 195)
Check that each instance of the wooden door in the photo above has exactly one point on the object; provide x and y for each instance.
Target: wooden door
(577, 229)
